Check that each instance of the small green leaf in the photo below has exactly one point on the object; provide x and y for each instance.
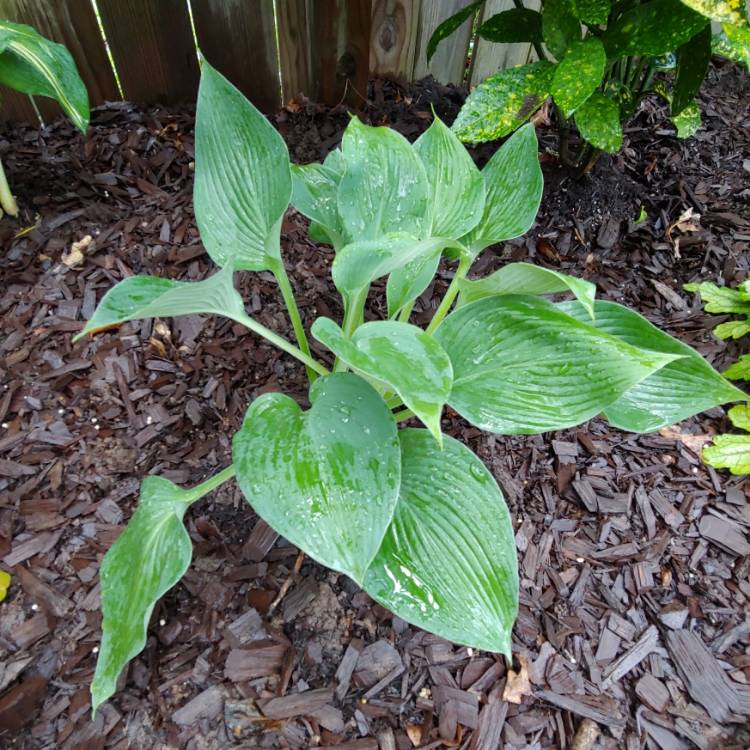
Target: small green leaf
(685, 387)
(384, 188)
(503, 102)
(598, 120)
(148, 558)
(400, 356)
(739, 416)
(560, 27)
(720, 299)
(688, 121)
(692, 63)
(723, 11)
(31, 64)
(405, 284)
(729, 452)
(733, 42)
(740, 370)
(514, 183)
(733, 329)
(139, 297)
(579, 74)
(591, 12)
(521, 366)
(447, 27)
(524, 278)
(652, 28)
(448, 561)
(456, 187)
(242, 178)
(328, 478)
(514, 25)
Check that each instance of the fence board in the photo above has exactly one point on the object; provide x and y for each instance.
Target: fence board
(448, 64)
(153, 49)
(341, 50)
(489, 57)
(393, 37)
(295, 48)
(17, 107)
(239, 39)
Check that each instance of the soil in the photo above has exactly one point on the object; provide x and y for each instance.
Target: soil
(634, 556)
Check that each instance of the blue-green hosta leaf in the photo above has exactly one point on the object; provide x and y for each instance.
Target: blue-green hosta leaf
(384, 188)
(503, 102)
(688, 121)
(560, 27)
(733, 42)
(139, 297)
(514, 183)
(514, 25)
(720, 299)
(524, 278)
(591, 12)
(327, 479)
(447, 27)
(242, 178)
(522, 366)
(729, 452)
(400, 356)
(740, 370)
(31, 64)
(448, 561)
(405, 284)
(598, 120)
(315, 195)
(685, 387)
(723, 11)
(692, 63)
(579, 74)
(652, 28)
(456, 187)
(148, 558)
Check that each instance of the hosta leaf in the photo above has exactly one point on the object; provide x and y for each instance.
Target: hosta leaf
(723, 11)
(456, 187)
(31, 64)
(242, 179)
(514, 25)
(592, 12)
(402, 357)
(139, 297)
(503, 102)
(688, 121)
(315, 195)
(720, 299)
(328, 478)
(579, 74)
(448, 561)
(740, 370)
(384, 188)
(733, 42)
(447, 27)
(692, 63)
(598, 120)
(405, 284)
(514, 183)
(739, 416)
(523, 278)
(729, 452)
(687, 386)
(560, 27)
(521, 366)
(148, 558)
(652, 28)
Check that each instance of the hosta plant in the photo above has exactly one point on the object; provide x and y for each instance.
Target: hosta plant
(410, 514)
(597, 60)
(31, 64)
(730, 451)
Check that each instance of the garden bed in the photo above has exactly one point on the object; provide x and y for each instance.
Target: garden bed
(634, 556)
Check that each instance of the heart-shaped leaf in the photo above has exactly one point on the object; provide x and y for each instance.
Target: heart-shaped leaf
(598, 120)
(139, 297)
(514, 183)
(579, 74)
(402, 357)
(148, 558)
(242, 179)
(448, 561)
(31, 64)
(523, 278)
(456, 186)
(328, 478)
(384, 188)
(521, 366)
(682, 388)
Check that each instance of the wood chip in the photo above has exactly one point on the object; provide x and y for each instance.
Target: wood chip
(299, 704)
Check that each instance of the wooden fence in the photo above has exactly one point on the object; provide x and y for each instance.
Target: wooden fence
(273, 50)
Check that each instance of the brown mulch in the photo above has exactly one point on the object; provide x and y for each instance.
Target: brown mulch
(634, 556)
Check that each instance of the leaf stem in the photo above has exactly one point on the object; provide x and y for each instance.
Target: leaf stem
(197, 492)
(279, 271)
(450, 294)
(7, 201)
(406, 311)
